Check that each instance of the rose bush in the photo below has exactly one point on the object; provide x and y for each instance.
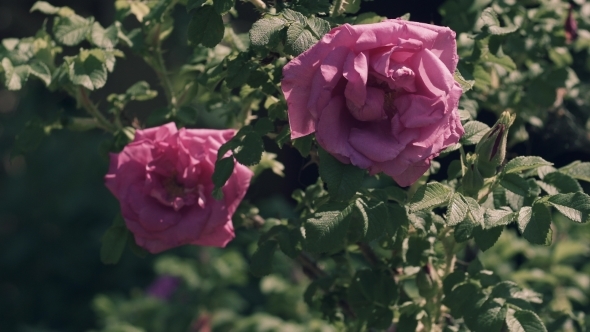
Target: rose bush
(163, 182)
(380, 96)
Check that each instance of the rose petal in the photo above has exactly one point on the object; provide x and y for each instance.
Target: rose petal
(156, 134)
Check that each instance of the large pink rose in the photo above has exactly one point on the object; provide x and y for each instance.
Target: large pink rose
(380, 96)
(163, 181)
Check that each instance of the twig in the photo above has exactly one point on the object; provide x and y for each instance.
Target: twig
(84, 100)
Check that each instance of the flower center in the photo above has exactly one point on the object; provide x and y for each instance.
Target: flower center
(173, 188)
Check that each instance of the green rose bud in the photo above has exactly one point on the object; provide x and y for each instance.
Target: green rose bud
(472, 180)
(491, 150)
(428, 282)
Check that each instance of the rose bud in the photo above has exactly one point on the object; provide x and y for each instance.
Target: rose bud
(571, 26)
(379, 96)
(472, 180)
(163, 183)
(428, 282)
(491, 149)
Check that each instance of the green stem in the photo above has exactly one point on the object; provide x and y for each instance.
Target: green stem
(156, 61)
(83, 99)
(338, 8)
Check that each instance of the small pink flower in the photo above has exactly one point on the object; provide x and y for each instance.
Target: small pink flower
(380, 96)
(571, 26)
(164, 287)
(163, 182)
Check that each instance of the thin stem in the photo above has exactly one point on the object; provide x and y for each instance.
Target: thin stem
(89, 106)
(314, 272)
(156, 61)
(338, 8)
(369, 254)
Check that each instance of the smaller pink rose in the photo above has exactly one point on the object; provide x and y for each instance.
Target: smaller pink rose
(163, 182)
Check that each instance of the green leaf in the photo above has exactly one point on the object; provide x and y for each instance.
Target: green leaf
(492, 317)
(562, 182)
(351, 6)
(516, 184)
(491, 22)
(486, 238)
(575, 206)
(187, 114)
(41, 71)
(511, 290)
(303, 34)
(504, 61)
(293, 16)
(500, 217)
(250, 150)
(266, 31)
(464, 230)
(519, 164)
(88, 69)
(368, 18)
(206, 27)
(327, 229)
(238, 71)
(14, 77)
(71, 30)
(458, 300)
(524, 321)
(343, 179)
(318, 26)
(104, 38)
(139, 9)
(223, 6)
(30, 137)
(429, 196)
(457, 210)
(375, 218)
(264, 126)
(303, 145)
(223, 170)
(483, 79)
(577, 170)
(370, 294)
(113, 241)
(157, 11)
(45, 8)
(466, 85)
(474, 131)
(299, 39)
(141, 91)
(261, 261)
(536, 224)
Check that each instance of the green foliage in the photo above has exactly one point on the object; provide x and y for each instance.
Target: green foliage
(206, 27)
(343, 180)
(373, 256)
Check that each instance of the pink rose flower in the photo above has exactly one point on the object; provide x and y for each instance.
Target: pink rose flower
(163, 182)
(380, 96)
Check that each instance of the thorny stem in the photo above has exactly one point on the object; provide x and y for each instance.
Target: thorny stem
(314, 272)
(156, 61)
(448, 241)
(338, 7)
(87, 104)
(368, 254)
